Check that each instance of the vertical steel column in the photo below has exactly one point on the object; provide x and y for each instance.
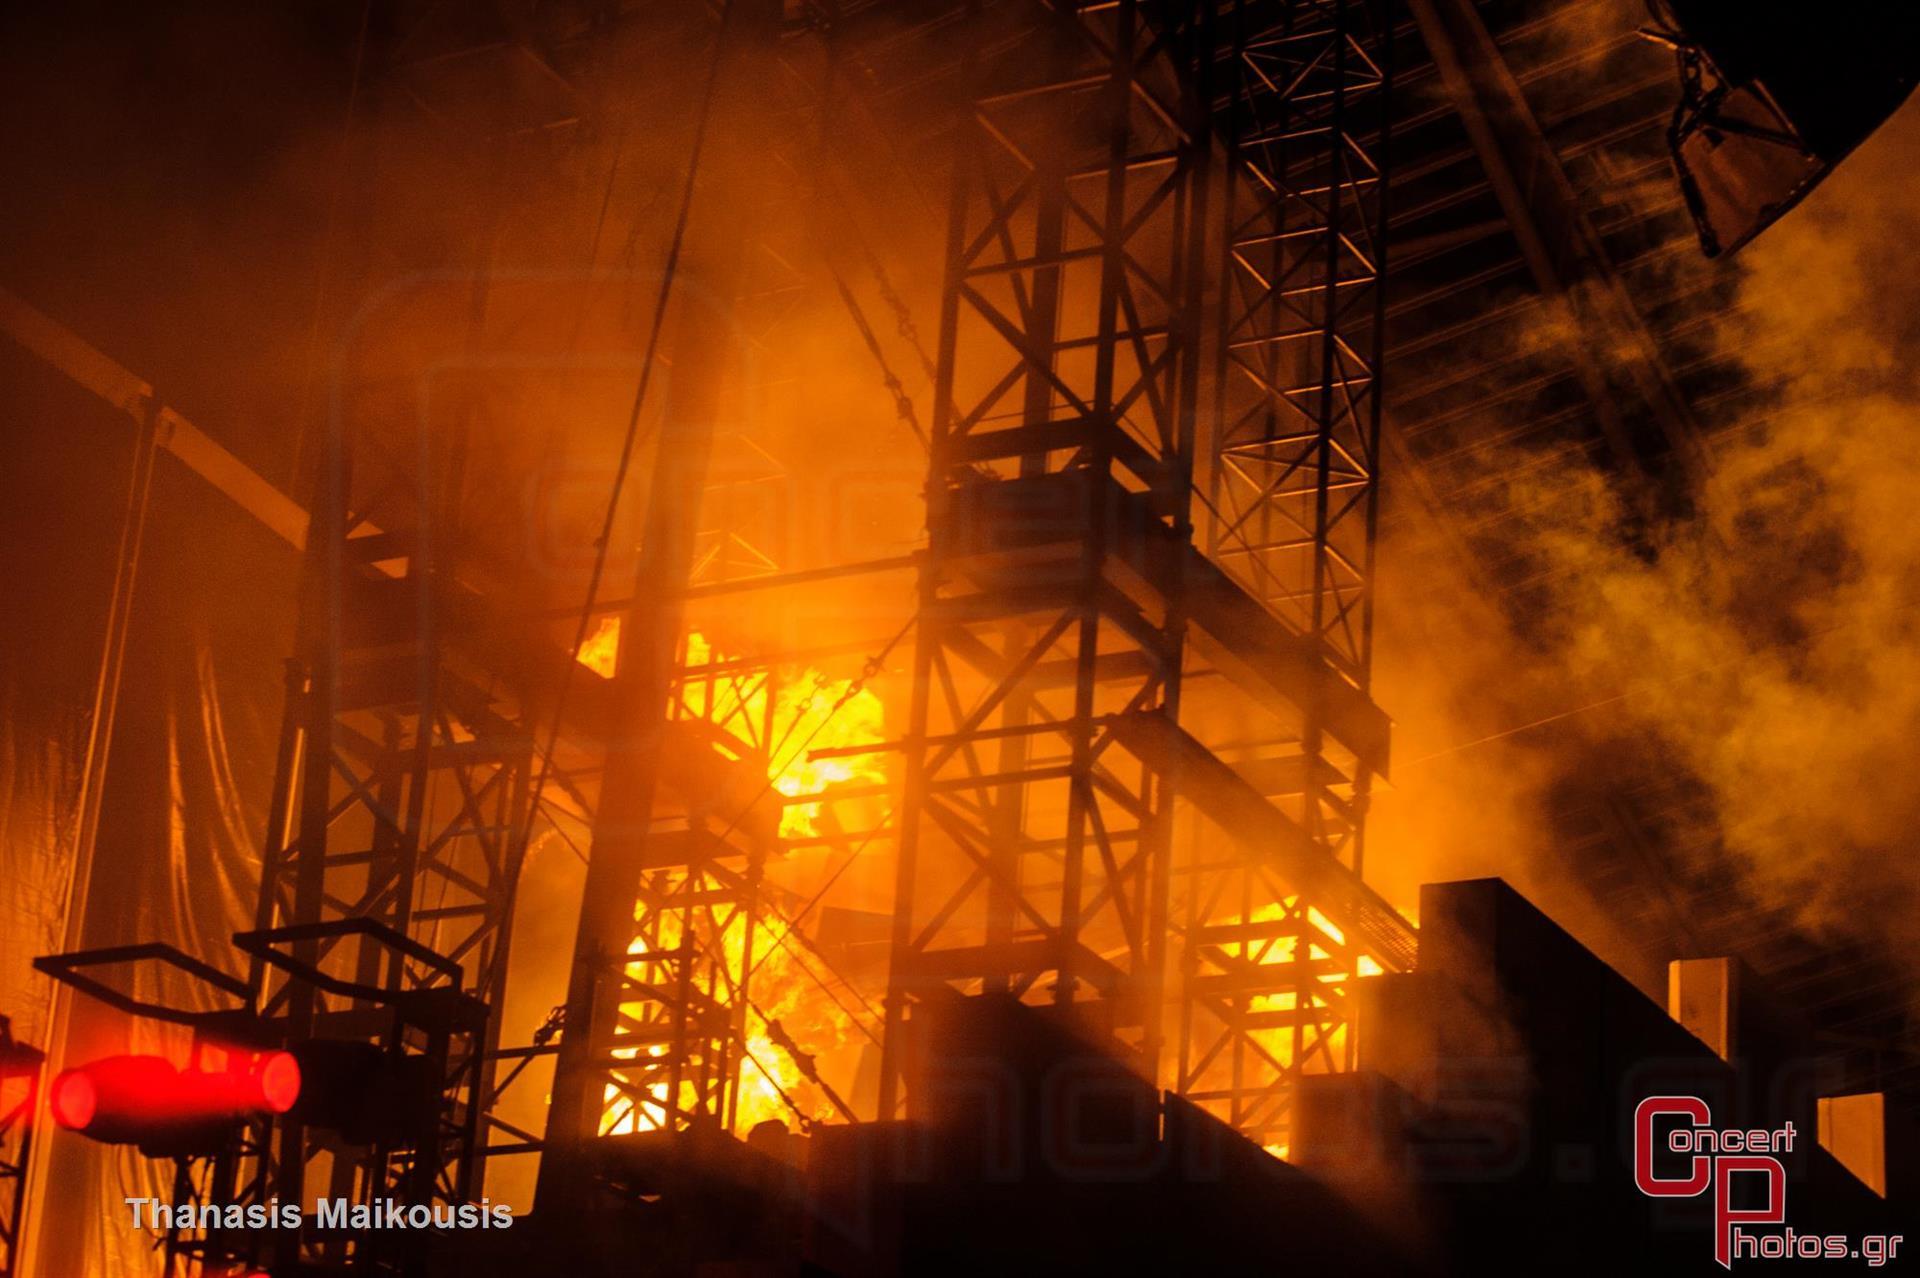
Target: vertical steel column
(1293, 487)
(656, 997)
(647, 1001)
(1033, 853)
(401, 796)
(400, 799)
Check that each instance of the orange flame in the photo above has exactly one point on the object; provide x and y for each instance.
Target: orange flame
(799, 716)
(601, 652)
(1322, 937)
(810, 714)
(780, 989)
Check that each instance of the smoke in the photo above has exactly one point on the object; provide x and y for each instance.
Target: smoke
(1470, 796)
(1770, 638)
(1764, 641)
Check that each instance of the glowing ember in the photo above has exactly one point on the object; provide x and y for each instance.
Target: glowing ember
(804, 722)
(601, 652)
(1323, 939)
(783, 718)
(781, 989)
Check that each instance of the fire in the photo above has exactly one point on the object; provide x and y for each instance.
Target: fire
(601, 652)
(859, 720)
(783, 716)
(1323, 939)
(788, 995)
(780, 990)
(810, 714)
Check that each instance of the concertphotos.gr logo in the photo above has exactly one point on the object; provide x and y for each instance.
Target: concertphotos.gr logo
(1717, 1156)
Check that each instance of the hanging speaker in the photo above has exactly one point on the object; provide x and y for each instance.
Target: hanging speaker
(1774, 93)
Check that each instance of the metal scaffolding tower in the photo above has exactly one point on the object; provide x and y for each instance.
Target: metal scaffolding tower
(1293, 486)
(672, 1055)
(1033, 854)
(399, 817)
(1064, 604)
(395, 832)
(657, 996)
(1085, 392)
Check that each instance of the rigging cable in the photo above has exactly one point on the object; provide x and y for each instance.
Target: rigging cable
(631, 439)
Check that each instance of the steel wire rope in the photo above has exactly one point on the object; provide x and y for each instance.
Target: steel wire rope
(632, 435)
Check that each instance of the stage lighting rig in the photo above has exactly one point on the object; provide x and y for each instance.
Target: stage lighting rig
(169, 1112)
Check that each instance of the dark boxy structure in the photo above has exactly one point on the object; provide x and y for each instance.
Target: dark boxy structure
(1490, 1129)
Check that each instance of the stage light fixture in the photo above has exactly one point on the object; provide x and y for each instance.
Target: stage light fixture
(148, 1101)
(366, 1093)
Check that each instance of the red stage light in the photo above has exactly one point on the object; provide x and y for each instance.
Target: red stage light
(243, 1084)
(116, 1098)
(145, 1100)
(279, 1075)
(73, 1100)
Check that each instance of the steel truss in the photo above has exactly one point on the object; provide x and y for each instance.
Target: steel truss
(20, 1070)
(693, 1018)
(395, 832)
(674, 1053)
(398, 821)
(680, 1022)
(1293, 488)
(399, 818)
(703, 919)
(1033, 854)
(676, 1048)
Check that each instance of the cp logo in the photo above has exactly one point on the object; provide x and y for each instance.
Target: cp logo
(1715, 1172)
